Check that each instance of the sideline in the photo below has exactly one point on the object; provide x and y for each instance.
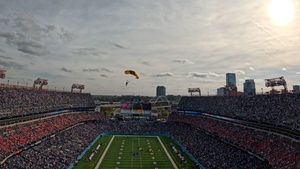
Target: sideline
(102, 157)
(170, 158)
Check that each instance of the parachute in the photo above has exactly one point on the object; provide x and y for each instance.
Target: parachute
(132, 73)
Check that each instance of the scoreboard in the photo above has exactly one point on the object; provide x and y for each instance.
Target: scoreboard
(136, 108)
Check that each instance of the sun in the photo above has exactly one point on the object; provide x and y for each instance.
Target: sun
(281, 11)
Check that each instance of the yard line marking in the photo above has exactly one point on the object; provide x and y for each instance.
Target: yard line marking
(104, 153)
(170, 158)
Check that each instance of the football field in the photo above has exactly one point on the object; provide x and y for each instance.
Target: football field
(135, 152)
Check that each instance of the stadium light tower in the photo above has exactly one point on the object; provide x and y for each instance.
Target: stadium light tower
(77, 86)
(2, 73)
(191, 90)
(278, 81)
(41, 82)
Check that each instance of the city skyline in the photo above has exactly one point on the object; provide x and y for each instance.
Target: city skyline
(171, 43)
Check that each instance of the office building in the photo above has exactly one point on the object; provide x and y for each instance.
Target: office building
(296, 88)
(249, 87)
(160, 91)
(230, 79)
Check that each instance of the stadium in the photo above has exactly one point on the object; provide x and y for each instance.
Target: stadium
(78, 80)
(59, 129)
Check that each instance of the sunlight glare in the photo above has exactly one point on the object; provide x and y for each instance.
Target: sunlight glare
(281, 11)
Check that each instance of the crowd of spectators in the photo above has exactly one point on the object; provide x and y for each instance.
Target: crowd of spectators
(61, 150)
(279, 110)
(22, 101)
(56, 141)
(19, 136)
(57, 152)
(280, 151)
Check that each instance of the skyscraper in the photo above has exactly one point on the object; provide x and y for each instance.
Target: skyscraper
(160, 91)
(249, 87)
(230, 79)
(296, 88)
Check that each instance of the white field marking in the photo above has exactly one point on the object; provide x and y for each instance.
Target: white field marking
(104, 153)
(121, 149)
(153, 158)
(170, 158)
(120, 153)
(119, 158)
(118, 162)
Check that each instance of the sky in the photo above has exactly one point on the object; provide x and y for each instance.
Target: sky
(173, 43)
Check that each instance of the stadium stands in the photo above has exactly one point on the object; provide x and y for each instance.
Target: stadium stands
(55, 141)
(22, 101)
(279, 150)
(278, 110)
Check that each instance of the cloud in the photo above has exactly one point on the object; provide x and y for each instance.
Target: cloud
(143, 74)
(48, 28)
(239, 72)
(6, 57)
(251, 68)
(12, 64)
(27, 25)
(298, 73)
(144, 62)
(65, 35)
(118, 45)
(283, 69)
(106, 70)
(89, 78)
(66, 70)
(30, 47)
(203, 75)
(244, 79)
(91, 70)
(183, 61)
(102, 75)
(97, 70)
(84, 51)
(4, 20)
(2, 50)
(163, 74)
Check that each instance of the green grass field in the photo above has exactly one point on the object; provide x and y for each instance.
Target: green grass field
(133, 152)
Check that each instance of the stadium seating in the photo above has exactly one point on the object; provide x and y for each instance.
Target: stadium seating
(278, 110)
(214, 143)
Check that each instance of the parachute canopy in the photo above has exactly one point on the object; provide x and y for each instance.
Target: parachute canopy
(132, 73)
